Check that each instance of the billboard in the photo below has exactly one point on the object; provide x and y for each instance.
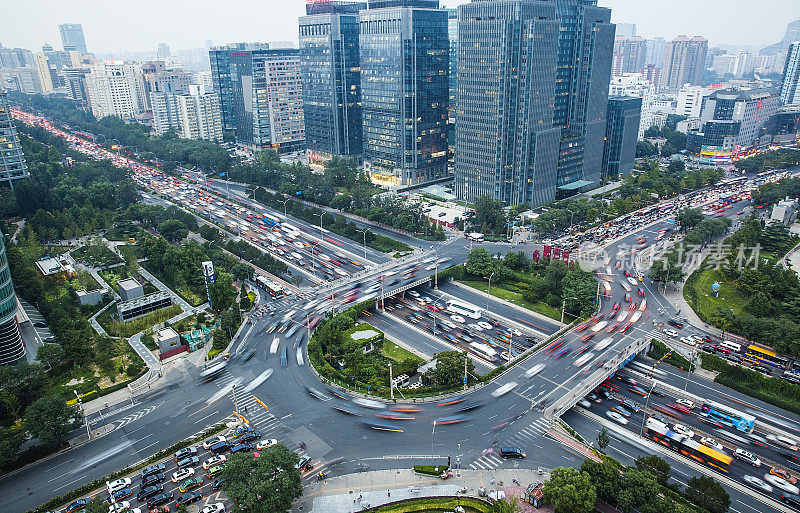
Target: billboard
(208, 271)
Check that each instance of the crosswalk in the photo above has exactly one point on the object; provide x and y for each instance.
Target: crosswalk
(525, 436)
(266, 423)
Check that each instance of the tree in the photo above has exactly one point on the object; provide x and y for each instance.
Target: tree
(689, 218)
(707, 493)
(97, 505)
(668, 150)
(656, 466)
(49, 418)
(242, 271)
(222, 292)
(570, 491)
(605, 477)
(667, 268)
(173, 230)
(479, 263)
(490, 215)
(603, 439)
(50, 355)
(645, 149)
(268, 483)
(638, 488)
(11, 440)
(676, 166)
(449, 370)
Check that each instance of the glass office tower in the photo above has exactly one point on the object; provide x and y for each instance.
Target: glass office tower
(506, 143)
(622, 131)
(404, 57)
(331, 76)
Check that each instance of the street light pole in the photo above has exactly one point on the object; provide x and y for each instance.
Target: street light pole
(85, 420)
(564, 305)
(647, 401)
(391, 383)
(436, 271)
(488, 289)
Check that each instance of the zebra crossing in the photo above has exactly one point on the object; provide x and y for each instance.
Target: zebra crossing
(266, 423)
(529, 434)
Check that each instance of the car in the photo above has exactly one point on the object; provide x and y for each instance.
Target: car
(413, 293)
(622, 411)
(616, 417)
(605, 394)
(485, 325)
(630, 406)
(782, 473)
(594, 398)
(119, 506)
(241, 430)
(781, 483)
(241, 447)
(182, 474)
(757, 483)
(214, 461)
(791, 499)
(188, 462)
(149, 491)
(683, 430)
(304, 463)
(120, 494)
(670, 333)
(159, 499)
(249, 437)
(119, 484)
(710, 442)
(155, 468)
(783, 441)
(191, 483)
(675, 323)
(40, 324)
(78, 505)
(512, 452)
(151, 480)
(585, 403)
(747, 457)
(214, 508)
(185, 453)
(49, 340)
(213, 441)
(217, 484)
(638, 390)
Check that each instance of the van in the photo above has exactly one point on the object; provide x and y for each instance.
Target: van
(511, 452)
(219, 448)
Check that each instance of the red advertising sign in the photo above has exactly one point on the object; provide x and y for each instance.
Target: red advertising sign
(536, 256)
(556, 253)
(547, 250)
(565, 255)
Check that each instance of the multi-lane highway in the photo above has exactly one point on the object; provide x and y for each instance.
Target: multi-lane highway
(332, 424)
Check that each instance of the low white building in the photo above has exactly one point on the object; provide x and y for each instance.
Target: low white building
(785, 212)
(167, 339)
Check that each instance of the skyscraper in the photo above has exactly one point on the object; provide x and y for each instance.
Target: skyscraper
(72, 37)
(331, 76)
(637, 86)
(630, 55)
(684, 62)
(452, 35)
(114, 90)
(12, 161)
(404, 90)
(193, 114)
(512, 128)
(622, 127)
(790, 85)
(655, 51)
(507, 145)
(163, 51)
(626, 30)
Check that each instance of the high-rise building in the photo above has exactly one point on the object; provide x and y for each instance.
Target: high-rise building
(618, 56)
(737, 64)
(791, 35)
(452, 74)
(163, 51)
(114, 89)
(630, 55)
(331, 75)
(626, 30)
(655, 52)
(653, 75)
(75, 79)
(505, 66)
(43, 71)
(72, 37)
(404, 55)
(12, 161)
(634, 85)
(507, 145)
(690, 100)
(790, 85)
(157, 77)
(194, 114)
(731, 122)
(260, 95)
(684, 61)
(622, 127)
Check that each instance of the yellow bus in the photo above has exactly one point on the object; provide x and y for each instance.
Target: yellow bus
(761, 355)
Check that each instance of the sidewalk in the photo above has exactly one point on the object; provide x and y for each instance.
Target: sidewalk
(355, 492)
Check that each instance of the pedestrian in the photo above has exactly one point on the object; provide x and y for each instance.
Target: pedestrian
(245, 409)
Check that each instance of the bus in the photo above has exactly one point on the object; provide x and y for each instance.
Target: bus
(760, 355)
(213, 371)
(606, 289)
(466, 309)
(483, 350)
(732, 346)
(729, 416)
(662, 434)
(272, 288)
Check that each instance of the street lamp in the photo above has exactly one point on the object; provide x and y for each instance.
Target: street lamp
(647, 401)
(436, 271)
(364, 231)
(563, 306)
(489, 288)
(284, 206)
(320, 220)
(85, 420)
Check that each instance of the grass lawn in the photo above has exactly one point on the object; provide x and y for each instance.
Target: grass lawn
(706, 304)
(397, 353)
(516, 298)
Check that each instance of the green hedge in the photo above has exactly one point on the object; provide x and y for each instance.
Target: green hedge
(431, 470)
(434, 505)
(657, 351)
(86, 489)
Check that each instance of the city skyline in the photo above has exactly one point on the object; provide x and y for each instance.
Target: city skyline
(142, 31)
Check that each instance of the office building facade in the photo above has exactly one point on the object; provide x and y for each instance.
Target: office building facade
(684, 61)
(404, 56)
(689, 101)
(636, 86)
(192, 115)
(452, 70)
(790, 84)
(12, 161)
(331, 78)
(12, 347)
(630, 55)
(622, 129)
(114, 89)
(72, 37)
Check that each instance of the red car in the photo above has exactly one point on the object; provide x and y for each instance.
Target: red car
(581, 327)
(609, 385)
(625, 327)
(613, 327)
(627, 273)
(632, 306)
(679, 407)
(587, 337)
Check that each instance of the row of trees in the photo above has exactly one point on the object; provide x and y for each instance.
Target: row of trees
(643, 488)
(771, 193)
(777, 159)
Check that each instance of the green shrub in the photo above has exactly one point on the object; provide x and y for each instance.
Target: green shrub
(431, 470)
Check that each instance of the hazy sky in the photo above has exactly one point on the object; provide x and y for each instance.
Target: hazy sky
(139, 25)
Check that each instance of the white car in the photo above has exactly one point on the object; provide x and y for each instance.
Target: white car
(213, 461)
(264, 444)
(685, 402)
(616, 417)
(783, 441)
(536, 369)
(710, 442)
(458, 319)
(182, 474)
(683, 430)
(120, 506)
(426, 299)
(503, 390)
(369, 403)
(757, 483)
(688, 341)
(119, 484)
(213, 441)
(474, 327)
(214, 508)
(747, 457)
(585, 403)
(779, 482)
(670, 333)
(413, 293)
(485, 325)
